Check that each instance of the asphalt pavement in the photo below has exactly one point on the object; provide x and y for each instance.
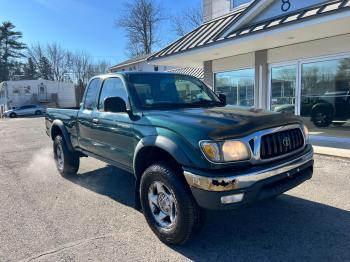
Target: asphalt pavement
(45, 217)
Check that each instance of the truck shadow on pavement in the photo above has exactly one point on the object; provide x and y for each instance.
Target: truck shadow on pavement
(109, 181)
(284, 229)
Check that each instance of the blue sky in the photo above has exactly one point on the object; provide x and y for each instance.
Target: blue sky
(80, 24)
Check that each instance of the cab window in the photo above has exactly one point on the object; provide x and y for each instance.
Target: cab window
(91, 94)
(112, 87)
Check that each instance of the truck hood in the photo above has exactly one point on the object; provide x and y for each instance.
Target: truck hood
(218, 123)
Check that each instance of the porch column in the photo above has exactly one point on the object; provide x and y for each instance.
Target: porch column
(261, 79)
(208, 73)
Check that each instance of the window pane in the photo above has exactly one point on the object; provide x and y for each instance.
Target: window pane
(112, 87)
(238, 86)
(189, 92)
(283, 82)
(90, 99)
(170, 89)
(325, 90)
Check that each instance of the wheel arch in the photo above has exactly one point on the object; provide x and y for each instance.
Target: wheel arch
(58, 128)
(158, 144)
(322, 106)
(156, 149)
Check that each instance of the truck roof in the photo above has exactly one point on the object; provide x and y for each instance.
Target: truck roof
(126, 73)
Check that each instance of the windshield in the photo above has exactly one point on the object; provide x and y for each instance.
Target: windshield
(170, 90)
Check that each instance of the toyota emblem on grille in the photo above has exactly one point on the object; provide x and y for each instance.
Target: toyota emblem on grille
(286, 141)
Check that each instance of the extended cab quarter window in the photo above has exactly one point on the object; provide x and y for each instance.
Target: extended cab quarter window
(91, 94)
(112, 87)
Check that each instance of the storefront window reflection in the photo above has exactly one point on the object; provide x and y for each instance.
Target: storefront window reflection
(325, 92)
(283, 83)
(238, 86)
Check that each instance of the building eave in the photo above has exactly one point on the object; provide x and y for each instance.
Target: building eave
(301, 18)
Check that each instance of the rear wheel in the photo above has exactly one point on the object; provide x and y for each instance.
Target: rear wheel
(321, 117)
(37, 112)
(168, 205)
(67, 162)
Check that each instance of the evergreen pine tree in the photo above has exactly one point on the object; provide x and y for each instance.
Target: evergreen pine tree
(10, 49)
(45, 69)
(30, 72)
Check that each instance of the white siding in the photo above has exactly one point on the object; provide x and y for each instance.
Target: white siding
(143, 66)
(322, 47)
(234, 62)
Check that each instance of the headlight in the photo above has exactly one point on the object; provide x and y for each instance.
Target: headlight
(306, 133)
(225, 151)
(235, 151)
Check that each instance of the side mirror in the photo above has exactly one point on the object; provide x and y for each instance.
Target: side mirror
(115, 105)
(222, 98)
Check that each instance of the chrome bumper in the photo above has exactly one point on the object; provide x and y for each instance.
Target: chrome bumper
(245, 179)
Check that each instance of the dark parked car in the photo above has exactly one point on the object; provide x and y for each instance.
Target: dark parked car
(187, 150)
(332, 106)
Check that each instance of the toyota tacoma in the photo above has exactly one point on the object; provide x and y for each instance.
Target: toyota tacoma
(187, 149)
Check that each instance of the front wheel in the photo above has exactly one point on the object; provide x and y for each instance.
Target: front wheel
(168, 205)
(13, 115)
(67, 162)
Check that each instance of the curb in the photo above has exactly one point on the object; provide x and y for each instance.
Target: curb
(331, 151)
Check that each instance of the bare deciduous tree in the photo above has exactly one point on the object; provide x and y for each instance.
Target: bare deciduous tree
(187, 21)
(59, 59)
(56, 63)
(81, 66)
(140, 21)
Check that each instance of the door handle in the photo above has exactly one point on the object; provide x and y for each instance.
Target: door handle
(95, 121)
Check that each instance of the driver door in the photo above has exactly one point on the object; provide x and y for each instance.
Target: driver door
(112, 132)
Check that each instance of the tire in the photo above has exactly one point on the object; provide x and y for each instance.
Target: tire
(38, 112)
(13, 115)
(67, 162)
(322, 117)
(163, 191)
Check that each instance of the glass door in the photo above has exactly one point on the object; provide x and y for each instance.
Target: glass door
(283, 88)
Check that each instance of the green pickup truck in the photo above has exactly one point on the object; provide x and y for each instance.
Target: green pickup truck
(187, 149)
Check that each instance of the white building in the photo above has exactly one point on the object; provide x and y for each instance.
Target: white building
(281, 55)
(45, 92)
(139, 64)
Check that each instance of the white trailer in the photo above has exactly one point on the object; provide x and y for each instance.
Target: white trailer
(44, 92)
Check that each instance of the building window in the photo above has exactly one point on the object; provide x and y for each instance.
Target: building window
(325, 91)
(156, 68)
(283, 87)
(238, 86)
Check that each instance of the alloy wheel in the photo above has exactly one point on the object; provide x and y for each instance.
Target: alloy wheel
(162, 203)
(60, 156)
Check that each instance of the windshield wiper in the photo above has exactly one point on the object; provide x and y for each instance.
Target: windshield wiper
(205, 103)
(166, 104)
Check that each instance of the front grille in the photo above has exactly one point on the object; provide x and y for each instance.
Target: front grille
(281, 143)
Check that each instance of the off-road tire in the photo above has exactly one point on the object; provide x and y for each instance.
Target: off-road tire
(71, 160)
(190, 217)
(321, 118)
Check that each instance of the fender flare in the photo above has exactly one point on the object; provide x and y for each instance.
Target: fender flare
(59, 124)
(323, 106)
(163, 143)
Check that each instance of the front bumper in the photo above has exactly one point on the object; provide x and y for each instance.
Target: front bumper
(256, 183)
